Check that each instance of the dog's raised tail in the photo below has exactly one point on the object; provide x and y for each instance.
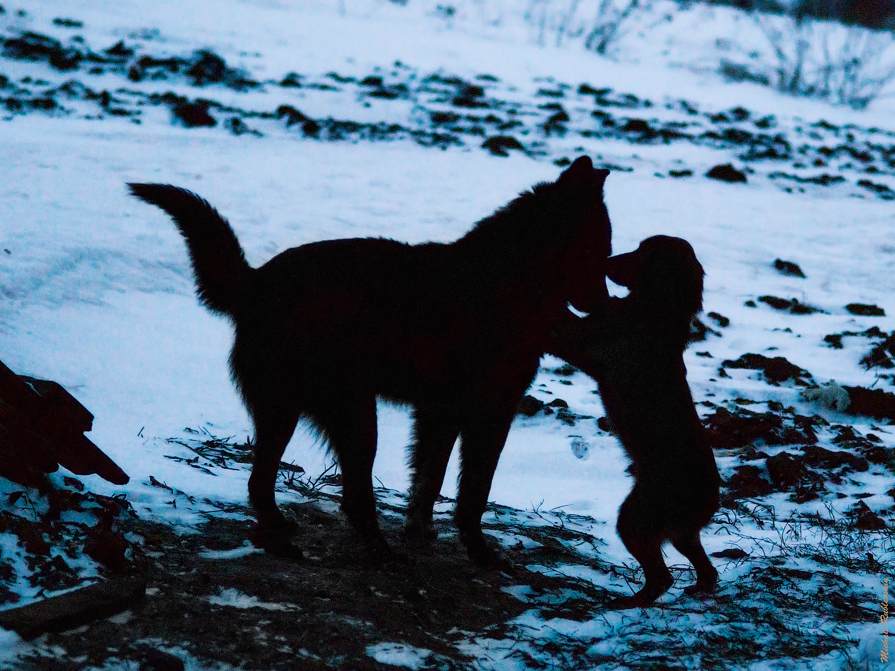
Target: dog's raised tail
(219, 263)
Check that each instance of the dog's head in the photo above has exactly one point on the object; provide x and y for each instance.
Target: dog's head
(663, 274)
(590, 242)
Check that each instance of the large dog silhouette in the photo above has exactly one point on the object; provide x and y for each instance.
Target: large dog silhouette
(455, 330)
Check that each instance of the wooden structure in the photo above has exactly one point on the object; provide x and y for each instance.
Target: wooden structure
(41, 428)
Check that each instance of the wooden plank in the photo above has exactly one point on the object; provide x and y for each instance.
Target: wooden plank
(78, 454)
(57, 408)
(13, 389)
(42, 427)
(75, 608)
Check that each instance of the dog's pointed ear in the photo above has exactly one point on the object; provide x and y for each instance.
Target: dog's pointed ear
(582, 168)
(582, 171)
(624, 269)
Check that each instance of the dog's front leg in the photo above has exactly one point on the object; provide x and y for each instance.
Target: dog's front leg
(482, 441)
(435, 431)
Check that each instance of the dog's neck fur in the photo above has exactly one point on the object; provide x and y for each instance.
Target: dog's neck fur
(545, 225)
(665, 317)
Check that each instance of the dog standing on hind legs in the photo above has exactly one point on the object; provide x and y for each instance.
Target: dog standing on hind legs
(634, 350)
(455, 330)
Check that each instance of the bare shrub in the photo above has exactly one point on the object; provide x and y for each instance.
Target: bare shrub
(849, 65)
(611, 16)
(600, 23)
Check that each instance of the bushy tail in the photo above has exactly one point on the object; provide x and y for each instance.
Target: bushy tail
(221, 270)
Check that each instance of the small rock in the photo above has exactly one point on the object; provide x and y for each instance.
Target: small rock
(792, 306)
(864, 310)
(834, 340)
(726, 173)
(293, 79)
(776, 303)
(636, 126)
(719, 319)
(499, 145)
(788, 268)
(194, 115)
(529, 406)
(776, 369)
(699, 331)
(209, 68)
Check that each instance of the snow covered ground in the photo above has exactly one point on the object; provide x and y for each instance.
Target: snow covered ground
(379, 132)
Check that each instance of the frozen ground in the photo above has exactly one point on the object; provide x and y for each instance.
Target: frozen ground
(375, 134)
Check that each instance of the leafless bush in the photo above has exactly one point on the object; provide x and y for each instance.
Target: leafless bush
(600, 23)
(608, 24)
(849, 65)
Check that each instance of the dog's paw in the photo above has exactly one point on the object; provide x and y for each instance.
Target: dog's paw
(627, 602)
(276, 542)
(417, 537)
(382, 556)
(700, 589)
(285, 526)
(485, 556)
(644, 598)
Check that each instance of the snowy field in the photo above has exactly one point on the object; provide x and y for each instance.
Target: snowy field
(368, 118)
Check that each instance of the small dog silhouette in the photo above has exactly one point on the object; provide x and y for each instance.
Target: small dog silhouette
(456, 330)
(634, 350)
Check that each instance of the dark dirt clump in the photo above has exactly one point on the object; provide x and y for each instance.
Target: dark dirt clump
(194, 114)
(793, 306)
(804, 475)
(726, 173)
(788, 268)
(864, 310)
(807, 475)
(874, 403)
(775, 369)
(699, 331)
(742, 428)
(36, 47)
(530, 406)
(501, 145)
(719, 319)
(747, 482)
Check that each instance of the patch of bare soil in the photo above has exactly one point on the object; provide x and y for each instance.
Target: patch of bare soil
(322, 612)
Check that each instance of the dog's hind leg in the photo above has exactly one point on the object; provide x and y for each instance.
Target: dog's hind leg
(640, 528)
(274, 426)
(689, 545)
(482, 441)
(434, 435)
(349, 424)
